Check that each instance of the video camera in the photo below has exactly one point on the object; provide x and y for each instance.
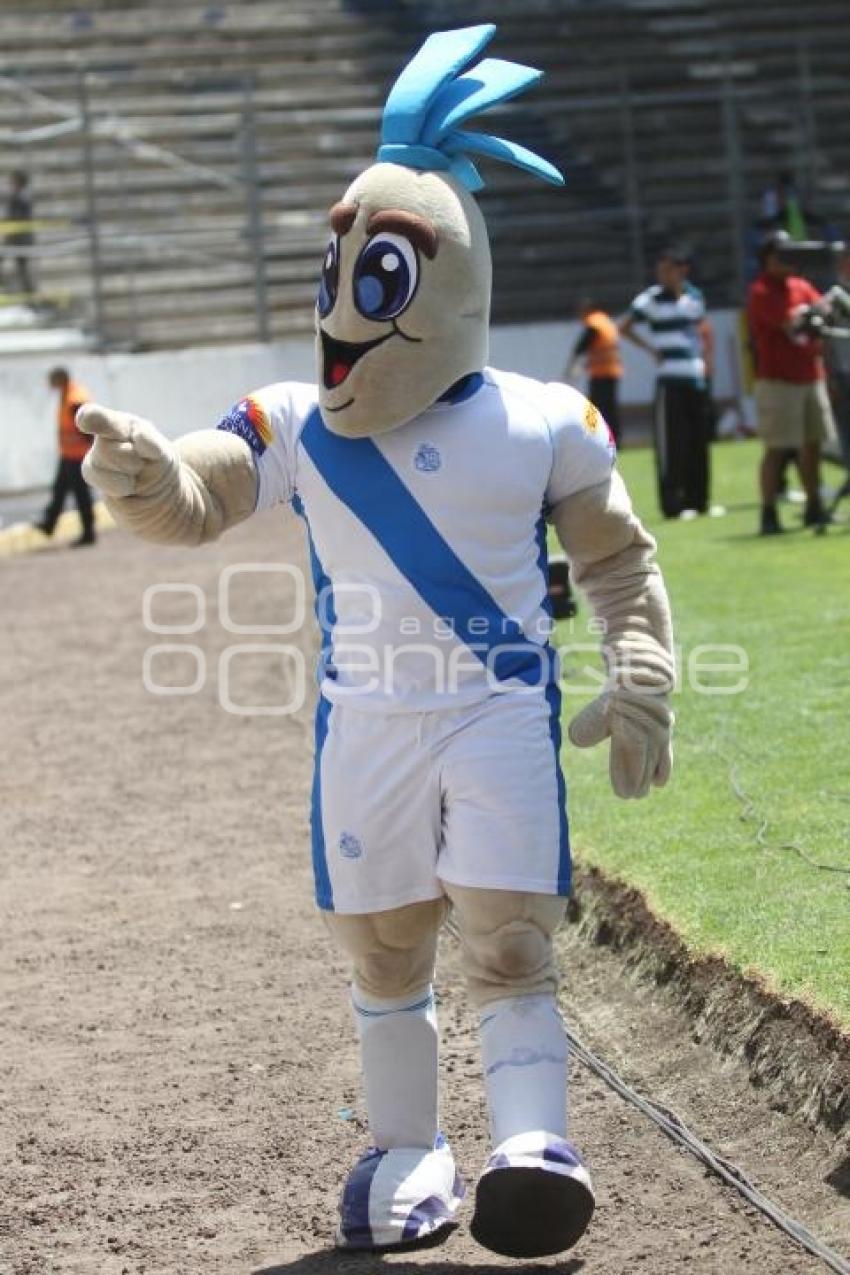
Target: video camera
(829, 317)
(824, 318)
(808, 255)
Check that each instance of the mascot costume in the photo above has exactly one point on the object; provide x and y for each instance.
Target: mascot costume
(425, 479)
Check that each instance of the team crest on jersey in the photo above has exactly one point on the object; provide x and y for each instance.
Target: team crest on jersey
(350, 847)
(592, 418)
(249, 420)
(427, 459)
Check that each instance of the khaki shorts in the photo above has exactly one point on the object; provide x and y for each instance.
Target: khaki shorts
(790, 415)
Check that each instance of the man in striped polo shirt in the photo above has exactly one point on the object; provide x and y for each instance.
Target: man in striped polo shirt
(674, 311)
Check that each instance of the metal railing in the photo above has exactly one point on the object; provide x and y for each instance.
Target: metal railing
(644, 188)
(91, 247)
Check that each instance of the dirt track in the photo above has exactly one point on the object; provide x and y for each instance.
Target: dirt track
(178, 1079)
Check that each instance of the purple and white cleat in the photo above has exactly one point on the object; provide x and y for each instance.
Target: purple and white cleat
(398, 1197)
(534, 1198)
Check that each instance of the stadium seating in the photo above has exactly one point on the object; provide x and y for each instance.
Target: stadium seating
(632, 109)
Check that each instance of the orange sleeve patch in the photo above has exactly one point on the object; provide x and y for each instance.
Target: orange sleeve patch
(592, 418)
(259, 418)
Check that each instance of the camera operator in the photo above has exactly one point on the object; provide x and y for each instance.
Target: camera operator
(791, 399)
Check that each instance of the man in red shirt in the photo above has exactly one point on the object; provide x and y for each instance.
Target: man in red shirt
(791, 398)
(73, 447)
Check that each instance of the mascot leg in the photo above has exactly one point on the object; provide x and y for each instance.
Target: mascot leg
(534, 1197)
(405, 1188)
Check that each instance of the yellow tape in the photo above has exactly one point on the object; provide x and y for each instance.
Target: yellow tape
(23, 298)
(24, 227)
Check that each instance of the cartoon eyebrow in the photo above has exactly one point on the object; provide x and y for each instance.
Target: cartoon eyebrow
(419, 230)
(342, 217)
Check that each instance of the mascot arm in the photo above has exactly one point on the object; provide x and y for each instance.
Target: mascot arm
(187, 492)
(612, 560)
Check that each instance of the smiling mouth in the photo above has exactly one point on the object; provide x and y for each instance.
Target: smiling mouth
(339, 357)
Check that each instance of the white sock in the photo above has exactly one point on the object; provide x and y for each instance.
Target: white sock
(524, 1050)
(398, 1048)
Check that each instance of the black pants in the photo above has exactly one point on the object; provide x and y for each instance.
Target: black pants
(603, 393)
(23, 271)
(681, 434)
(69, 477)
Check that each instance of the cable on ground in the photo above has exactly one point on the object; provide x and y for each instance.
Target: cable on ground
(675, 1128)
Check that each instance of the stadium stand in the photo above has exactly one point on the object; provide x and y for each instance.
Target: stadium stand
(641, 103)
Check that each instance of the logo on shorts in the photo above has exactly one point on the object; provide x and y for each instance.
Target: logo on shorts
(350, 847)
(427, 459)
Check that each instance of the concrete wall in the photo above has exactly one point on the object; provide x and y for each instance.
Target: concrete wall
(191, 389)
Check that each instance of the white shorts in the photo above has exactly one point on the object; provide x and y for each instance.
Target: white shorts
(405, 801)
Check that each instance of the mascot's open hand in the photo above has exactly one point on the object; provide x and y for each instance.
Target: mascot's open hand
(130, 457)
(639, 727)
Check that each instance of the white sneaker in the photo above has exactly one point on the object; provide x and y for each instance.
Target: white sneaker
(534, 1198)
(687, 515)
(398, 1197)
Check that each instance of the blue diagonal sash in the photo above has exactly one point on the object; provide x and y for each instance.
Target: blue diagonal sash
(360, 476)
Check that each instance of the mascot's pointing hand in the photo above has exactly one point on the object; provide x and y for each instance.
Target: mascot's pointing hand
(161, 489)
(130, 457)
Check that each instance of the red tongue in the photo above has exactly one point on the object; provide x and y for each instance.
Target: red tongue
(339, 371)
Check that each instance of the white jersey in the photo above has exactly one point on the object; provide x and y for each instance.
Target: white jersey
(428, 542)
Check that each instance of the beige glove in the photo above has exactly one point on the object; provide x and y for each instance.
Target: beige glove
(612, 558)
(639, 729)
(187, 492)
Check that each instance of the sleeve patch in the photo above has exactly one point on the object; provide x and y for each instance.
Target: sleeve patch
(592, 418)
(595, 423)
(583, 446)
(250, 421)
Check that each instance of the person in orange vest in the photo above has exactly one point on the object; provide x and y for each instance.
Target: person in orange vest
(73, 446)
(599, 344)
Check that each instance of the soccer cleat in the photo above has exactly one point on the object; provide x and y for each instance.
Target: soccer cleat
(770, 524)
(399, 1197)
(534, 1198)
(815, 515)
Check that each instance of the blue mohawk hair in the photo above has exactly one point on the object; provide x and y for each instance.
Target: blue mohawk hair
(434, 94)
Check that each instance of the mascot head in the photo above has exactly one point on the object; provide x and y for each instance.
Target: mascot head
(404, 300)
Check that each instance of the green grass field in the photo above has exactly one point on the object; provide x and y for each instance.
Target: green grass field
(762, 777)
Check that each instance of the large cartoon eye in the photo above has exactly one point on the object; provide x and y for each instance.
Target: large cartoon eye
(385, 276)
(329, 282)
